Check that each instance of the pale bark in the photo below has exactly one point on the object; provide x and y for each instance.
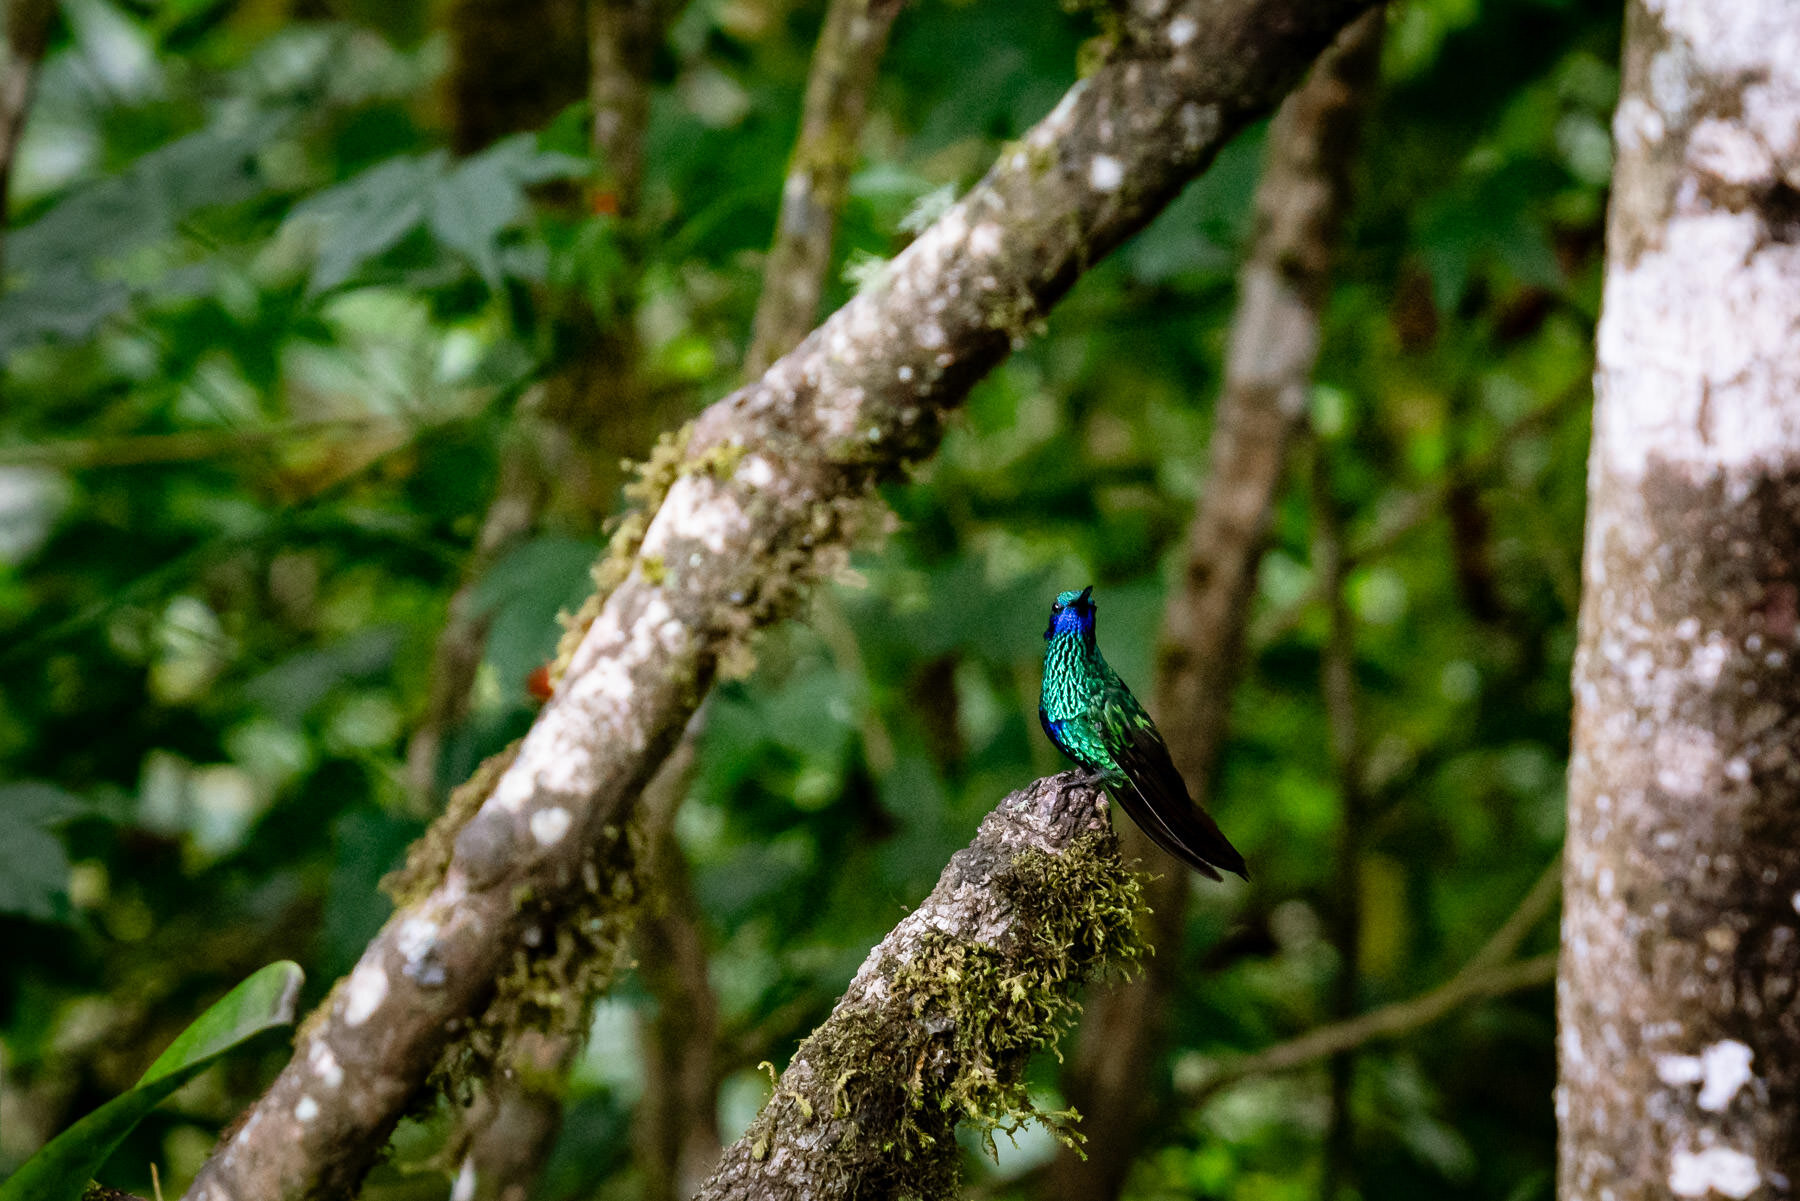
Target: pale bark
(1679, 1051)
(868, 1107)
(768, 489)
(1300, 205)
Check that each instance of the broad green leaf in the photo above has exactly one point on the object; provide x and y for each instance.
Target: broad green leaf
(482, 196)
(62, 1169)
(368, 215)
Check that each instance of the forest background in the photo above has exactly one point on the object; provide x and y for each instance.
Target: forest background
(326, 328)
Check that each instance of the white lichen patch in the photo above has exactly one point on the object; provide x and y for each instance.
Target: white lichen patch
(1699, 332)
(363, 995)
(1105, 173)
(1728, 151)
(696, 510)
(1687, 759)
(549, 825)
(416, 939)
(305, 1110)
(325, 1066)
(1636, 125)
(985, 240)
(1726, 1069)
(1708, 660)
(755, 471)
(1722, 1170)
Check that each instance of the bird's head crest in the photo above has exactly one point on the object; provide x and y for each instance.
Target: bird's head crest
(1072, 611)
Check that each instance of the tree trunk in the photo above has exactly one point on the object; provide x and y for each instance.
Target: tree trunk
(1680, 1048)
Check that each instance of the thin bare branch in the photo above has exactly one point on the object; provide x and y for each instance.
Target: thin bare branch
(1383, 1024)
(762, 497)
(1490, 972)
(844, 69)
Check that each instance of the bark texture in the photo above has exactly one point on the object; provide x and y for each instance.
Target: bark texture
(761, 496)
(1300, 206)
(939, 1022)
(843, 74)
(1679, 1045)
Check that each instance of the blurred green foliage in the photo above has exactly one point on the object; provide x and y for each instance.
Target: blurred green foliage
(276, 333)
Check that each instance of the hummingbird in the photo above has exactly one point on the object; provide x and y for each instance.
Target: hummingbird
(1091, 716)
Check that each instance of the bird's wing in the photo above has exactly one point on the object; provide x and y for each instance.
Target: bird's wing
(1156, 796)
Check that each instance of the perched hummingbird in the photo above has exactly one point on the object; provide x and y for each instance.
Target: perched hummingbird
(1093, 719)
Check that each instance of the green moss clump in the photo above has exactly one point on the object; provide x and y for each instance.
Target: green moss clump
(644, 493)
(965, 1017)
(571, 954)
(1076, 914)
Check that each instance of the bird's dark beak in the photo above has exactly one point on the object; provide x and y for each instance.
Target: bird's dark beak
(1086, 596)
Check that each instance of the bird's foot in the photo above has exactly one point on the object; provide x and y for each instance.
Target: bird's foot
(1088, 777)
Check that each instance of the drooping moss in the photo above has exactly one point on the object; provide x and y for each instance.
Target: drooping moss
(568, 956)
(949, 1039)
(644, 494)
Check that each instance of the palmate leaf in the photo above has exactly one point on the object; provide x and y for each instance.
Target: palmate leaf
(62, 1169)
(467, 206)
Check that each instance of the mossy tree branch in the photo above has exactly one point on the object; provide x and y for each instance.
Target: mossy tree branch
(760, 497)
(938, 1024)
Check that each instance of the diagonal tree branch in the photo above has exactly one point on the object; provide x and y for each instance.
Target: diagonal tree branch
(1300, 204)
(938, 1024)
(675, 1127)
(762, 496)
(843, 75)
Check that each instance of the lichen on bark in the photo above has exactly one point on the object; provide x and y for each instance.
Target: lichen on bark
(1679, 1056)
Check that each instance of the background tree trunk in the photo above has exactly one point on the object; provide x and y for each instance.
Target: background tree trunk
(1680, 1054)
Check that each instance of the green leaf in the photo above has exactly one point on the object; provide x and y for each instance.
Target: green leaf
(367, 215)
(34, 868)
(471, 205)
(484, 195)
(61, 1170)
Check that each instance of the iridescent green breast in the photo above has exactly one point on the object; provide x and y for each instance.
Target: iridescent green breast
(1069, 703)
